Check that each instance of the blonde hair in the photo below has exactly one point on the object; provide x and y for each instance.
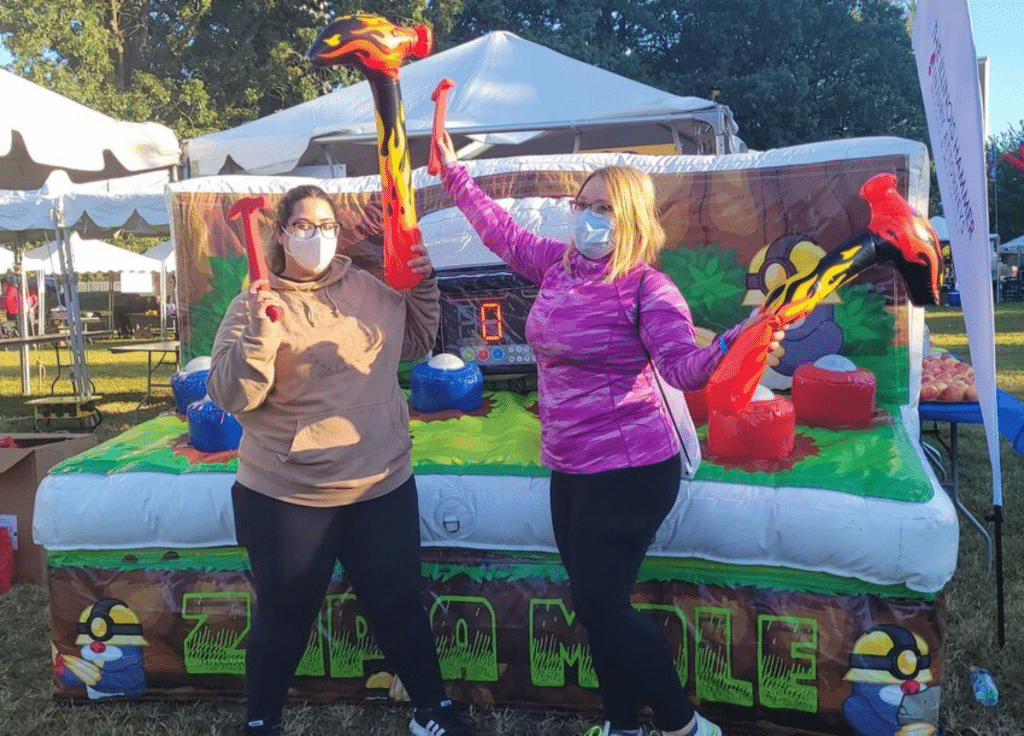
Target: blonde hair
(639, 237)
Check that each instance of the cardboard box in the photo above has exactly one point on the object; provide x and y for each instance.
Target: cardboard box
(22, 468)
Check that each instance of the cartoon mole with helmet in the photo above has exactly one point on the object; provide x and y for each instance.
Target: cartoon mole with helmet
(889, 669)
(810, 337)
(111, 663)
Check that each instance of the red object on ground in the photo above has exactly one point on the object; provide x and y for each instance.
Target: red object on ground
(247, 208)
(833, 399)
(7, 442)
(440, 98)
(765, 430)
(6, 560)
(738, 373)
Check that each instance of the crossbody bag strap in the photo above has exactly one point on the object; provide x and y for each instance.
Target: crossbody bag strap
(654, 369)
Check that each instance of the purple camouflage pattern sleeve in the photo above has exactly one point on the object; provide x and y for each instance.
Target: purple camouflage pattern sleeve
(666, 328)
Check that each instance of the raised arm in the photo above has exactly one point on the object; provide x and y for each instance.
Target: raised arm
(528, 254)
(422, 307)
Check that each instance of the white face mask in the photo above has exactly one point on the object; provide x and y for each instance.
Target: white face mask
(593, 234)
(311, 254)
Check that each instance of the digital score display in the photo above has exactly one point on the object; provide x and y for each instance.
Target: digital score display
(483, 319)
(491, 327)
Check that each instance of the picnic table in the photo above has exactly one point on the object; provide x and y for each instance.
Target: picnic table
(164, 349)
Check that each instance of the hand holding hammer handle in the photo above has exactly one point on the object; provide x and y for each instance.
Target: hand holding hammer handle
(248, 208)
(440, 98)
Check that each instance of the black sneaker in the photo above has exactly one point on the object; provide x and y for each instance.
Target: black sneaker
(247, 729)
(439, 721)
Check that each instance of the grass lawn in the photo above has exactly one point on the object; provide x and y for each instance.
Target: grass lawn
(27, 708)
(119, 378)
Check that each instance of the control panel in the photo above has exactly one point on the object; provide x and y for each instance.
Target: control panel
(483, 318)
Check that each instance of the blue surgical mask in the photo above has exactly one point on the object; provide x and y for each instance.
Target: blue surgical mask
(593, 234)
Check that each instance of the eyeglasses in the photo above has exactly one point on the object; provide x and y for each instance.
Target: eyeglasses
(600, 208)
(306, 230)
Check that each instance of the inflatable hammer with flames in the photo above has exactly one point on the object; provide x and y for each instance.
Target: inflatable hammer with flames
(896, 234)
(377, 47)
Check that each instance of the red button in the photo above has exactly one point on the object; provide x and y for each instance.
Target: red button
(483, 354)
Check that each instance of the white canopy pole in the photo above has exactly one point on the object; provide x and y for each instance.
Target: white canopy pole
(26, 361)
(41, 304)
(76, 341)
(163, 301)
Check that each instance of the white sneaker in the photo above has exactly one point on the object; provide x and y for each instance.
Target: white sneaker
(704, 727)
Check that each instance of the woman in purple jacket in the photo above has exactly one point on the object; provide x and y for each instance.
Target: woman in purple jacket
(603, 315)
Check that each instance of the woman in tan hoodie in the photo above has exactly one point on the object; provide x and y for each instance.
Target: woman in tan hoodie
(324, 470)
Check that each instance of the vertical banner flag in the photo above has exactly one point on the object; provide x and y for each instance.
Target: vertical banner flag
(947, 68)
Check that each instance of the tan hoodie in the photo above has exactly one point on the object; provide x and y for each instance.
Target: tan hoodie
(324, 421)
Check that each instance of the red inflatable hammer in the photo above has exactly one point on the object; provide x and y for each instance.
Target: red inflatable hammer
(440, 98)
(248, 208)
(377, 47)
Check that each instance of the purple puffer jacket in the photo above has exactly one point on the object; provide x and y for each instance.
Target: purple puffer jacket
(600, 407)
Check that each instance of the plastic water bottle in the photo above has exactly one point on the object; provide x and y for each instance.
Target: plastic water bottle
(985, 690)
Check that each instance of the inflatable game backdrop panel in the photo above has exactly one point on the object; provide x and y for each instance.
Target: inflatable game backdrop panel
(734, 224)
(766, 613)
(506, 633)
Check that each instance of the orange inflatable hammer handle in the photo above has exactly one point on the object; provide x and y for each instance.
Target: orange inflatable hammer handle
(735, 379)
(248, 208)
(440, 98)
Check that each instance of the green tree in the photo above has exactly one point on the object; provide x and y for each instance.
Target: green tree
(793, 72)
(620, 37)
(194, 65)
(1006, 190)
(802, 70)
(112, 56)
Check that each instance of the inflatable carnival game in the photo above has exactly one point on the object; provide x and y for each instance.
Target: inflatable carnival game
(799, 584)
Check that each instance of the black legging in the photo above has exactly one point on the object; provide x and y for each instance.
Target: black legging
(292, 550)
(604, 524)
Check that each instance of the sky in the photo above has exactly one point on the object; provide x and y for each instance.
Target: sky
(999, 35)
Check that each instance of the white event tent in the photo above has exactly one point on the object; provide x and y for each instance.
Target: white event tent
(1013, 246)
(100, 209)
(511, 98)
(164, 253)
(98, 257)
(93, 256)
(41, 131)
(7, 262)
(133, 203)
(45, 135)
